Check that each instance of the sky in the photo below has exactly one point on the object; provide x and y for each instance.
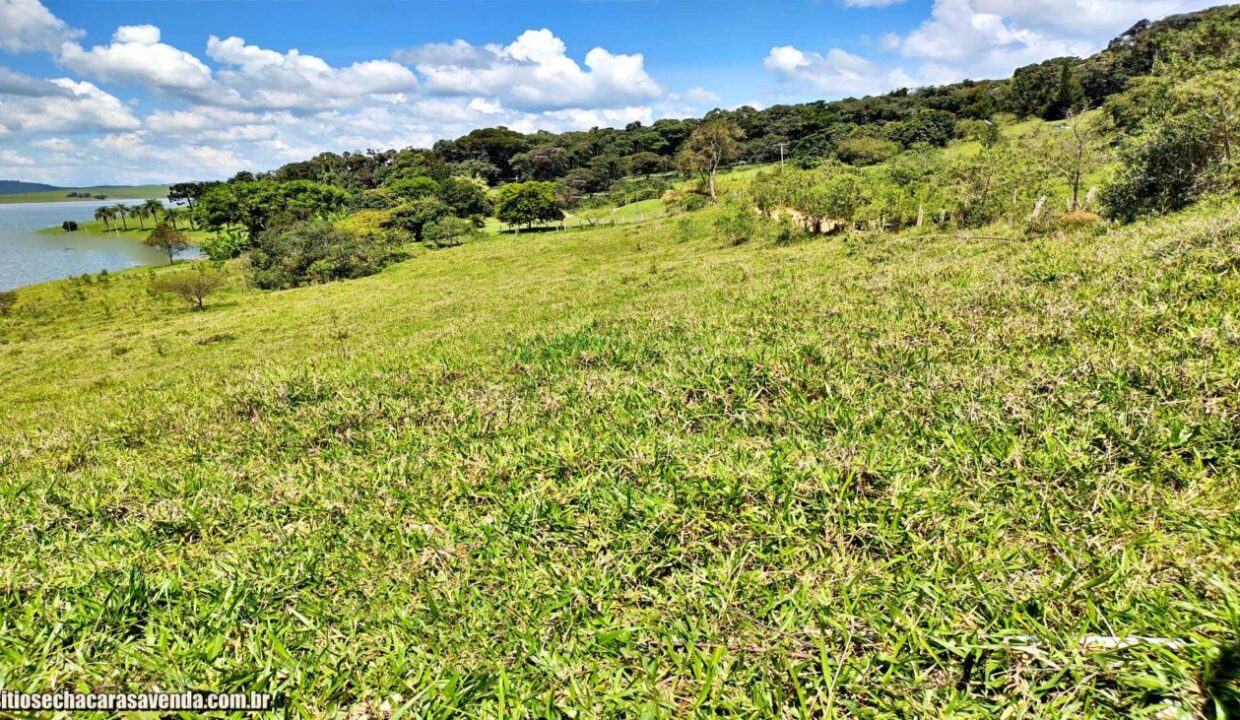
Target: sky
(98, 92)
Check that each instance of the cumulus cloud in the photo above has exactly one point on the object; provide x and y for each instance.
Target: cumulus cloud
(701, 96)
(271, 79)
(25, 25)
(970, 39)
(72, 107)
(533, 73)
(837, 72)
(15, 83)
(136, 55)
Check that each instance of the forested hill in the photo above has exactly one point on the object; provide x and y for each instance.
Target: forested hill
(11, 187)
(866, 129)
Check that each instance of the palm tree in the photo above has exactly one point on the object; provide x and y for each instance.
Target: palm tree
(153, 208)
(122, 209)
(171, 215)
(105, 214)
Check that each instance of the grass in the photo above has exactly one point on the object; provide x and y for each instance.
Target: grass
(114, 192)
(634, 472)
(134, 231)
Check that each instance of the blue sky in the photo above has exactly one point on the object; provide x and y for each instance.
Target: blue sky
(95, 92)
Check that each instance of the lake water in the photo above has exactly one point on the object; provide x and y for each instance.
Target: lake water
(27, 257)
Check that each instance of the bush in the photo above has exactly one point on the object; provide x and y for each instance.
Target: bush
(225, 245)
(8, 299)
(684, 201)
(316, 252)
(737, 223)
(866, 150)
(528, 203)
(413, 217)
(1079, 221)
(1163, 172)
(448, 231)
(631, 190)
(192, 286)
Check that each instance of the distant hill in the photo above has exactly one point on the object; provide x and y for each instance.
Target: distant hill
(9, 187)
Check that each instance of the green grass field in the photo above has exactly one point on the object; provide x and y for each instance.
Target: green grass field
(114, 193)
(134, 231)
(634, 472)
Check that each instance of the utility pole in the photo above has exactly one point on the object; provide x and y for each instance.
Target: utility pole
(781, 145)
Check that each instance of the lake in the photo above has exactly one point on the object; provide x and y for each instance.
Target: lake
(27, 257)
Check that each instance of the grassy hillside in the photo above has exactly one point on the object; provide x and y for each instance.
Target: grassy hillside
(114, 193)
(635, 472)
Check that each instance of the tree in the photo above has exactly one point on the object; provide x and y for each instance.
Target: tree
(171, 215)
(448, 231)
(933, 127)
(541, 163)
(106, 215)
(122, 210)
(1071, 151)
(316, 252)
(710, 145)
(528, 203)
(192, 286)
(863, 151)
(413, 217)
(189, 193)
(8, 298)
(465, 196)
(410, 189)
(644, 163)
(153, 209)
(257, 205)
(168, 239)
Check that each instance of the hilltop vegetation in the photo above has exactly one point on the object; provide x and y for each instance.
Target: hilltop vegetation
(941, 419)
(8, 187)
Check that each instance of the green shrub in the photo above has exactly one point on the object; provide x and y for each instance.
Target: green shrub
(677, 201)
(225, 245)
(316, 252)
(448, 231)
(413, 217)
(1164, 171)
(737, 224)
(192, 286)
(862, 151)
(8, 299)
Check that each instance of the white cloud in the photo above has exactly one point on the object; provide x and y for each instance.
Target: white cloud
(838, 72)
(975, 39)
(701, 96)
(15, 83)
(75, 107)
(991, 38)
(136, 55)
(270, 79)
(25, 25)
(533, 73)
(13, 158)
